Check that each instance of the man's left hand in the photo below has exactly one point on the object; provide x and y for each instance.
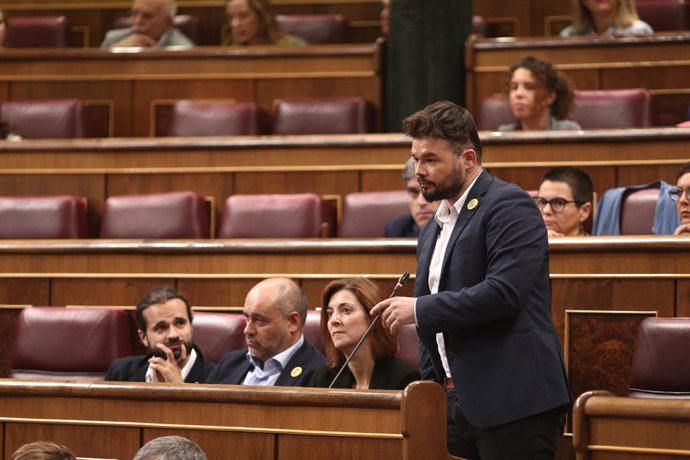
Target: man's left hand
(395, 312)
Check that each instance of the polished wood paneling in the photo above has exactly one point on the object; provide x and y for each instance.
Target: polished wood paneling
(223, 418)
(132, 81)
(656, 62)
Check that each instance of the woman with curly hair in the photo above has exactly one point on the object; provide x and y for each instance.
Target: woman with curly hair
(539, 97)
(345, 316)
(613, 17)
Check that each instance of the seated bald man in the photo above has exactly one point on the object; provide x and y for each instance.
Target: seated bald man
(277, 352)
(151, 27)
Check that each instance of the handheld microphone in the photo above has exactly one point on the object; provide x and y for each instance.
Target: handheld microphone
(403, 279)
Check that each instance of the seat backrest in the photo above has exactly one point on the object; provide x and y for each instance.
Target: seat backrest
(67, 343)
(664, 15)
(365, 214)
(479, 25)
(158, 215)
(348, 115)
(218, 333)
(37, 32)
(210, 118)
(188, 24)
(660, 366)
(315, 28)
(408, 345)
(272, 216)
(637, 211)
(614, 108)
(312, 330)
(46, 119)
(48, 217)
(493, 112)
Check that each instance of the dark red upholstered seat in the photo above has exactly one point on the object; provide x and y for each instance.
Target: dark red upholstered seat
(47, 217)
(593, 109)
(661, 368)
(615, 108)
(349, 115)
(188, 24)
(37, 32)
(67, 343)
(46, 119)
(210, 118)
(637, 211)
(315, 28)
(159, 215)
(664, 15)
(218, 333)
(272, 216)
(365, 214)
(312, 330)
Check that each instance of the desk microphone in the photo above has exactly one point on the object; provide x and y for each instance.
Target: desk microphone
(403, 279)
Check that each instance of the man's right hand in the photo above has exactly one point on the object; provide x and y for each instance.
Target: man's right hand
(683, 229)
(135, 39)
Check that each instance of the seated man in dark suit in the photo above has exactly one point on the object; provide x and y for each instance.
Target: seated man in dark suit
(277, 353)
(151, 27)
(164, 321)
(409, 225)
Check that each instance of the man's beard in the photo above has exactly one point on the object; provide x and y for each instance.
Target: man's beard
(155, 351)
(457, 182)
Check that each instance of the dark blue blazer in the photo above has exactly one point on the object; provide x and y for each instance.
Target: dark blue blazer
(234, 366)
(402, 227)
(133, 369)
(493, 307)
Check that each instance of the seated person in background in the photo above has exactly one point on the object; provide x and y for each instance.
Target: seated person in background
(345, 316)
(565, 200)
(42, 450)
(164, 321)
(681, 195)
(385, 17)
(151, 27)
(3, 28)
(421, 210)
(170, 448)
(251, 23)
(539, 97)
(613, 17)
(277, 353)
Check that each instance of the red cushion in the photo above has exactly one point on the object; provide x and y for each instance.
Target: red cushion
(315, 28)
(218, 333)
(350, 115)
(193, 118)
(46, 119)
(365, 214)
(37, 32)
(33, 217)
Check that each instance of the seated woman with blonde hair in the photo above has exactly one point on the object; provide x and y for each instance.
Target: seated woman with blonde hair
(251, 23)
(345, 316)
(613, 17)
(539, 97)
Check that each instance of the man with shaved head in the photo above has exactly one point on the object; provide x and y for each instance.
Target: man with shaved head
(170, 448)
(277, 352)
(151, 26)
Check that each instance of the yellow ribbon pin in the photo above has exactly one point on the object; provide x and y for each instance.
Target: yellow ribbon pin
(472, 204)
(296, 372)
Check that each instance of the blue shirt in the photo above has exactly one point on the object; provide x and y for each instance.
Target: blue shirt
(270, 371)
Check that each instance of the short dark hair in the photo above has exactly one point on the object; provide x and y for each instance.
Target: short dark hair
(579, 182)
(383, 344)
(155, 297)
(683, 170)
(43, 450)
(448, 121)
(170, 448)
(549, 80)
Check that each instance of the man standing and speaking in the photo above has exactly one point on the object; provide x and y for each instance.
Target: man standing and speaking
(482, 299)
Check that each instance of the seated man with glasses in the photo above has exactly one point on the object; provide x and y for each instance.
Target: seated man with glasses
(151, 26)
(681, 195)
(565, 200)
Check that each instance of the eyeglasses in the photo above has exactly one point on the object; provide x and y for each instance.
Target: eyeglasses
(557, 204)
(675, 193)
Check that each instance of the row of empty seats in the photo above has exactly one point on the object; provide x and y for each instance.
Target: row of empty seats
(68, 118)
(593, 109)
(80, 343)
(181, 215)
